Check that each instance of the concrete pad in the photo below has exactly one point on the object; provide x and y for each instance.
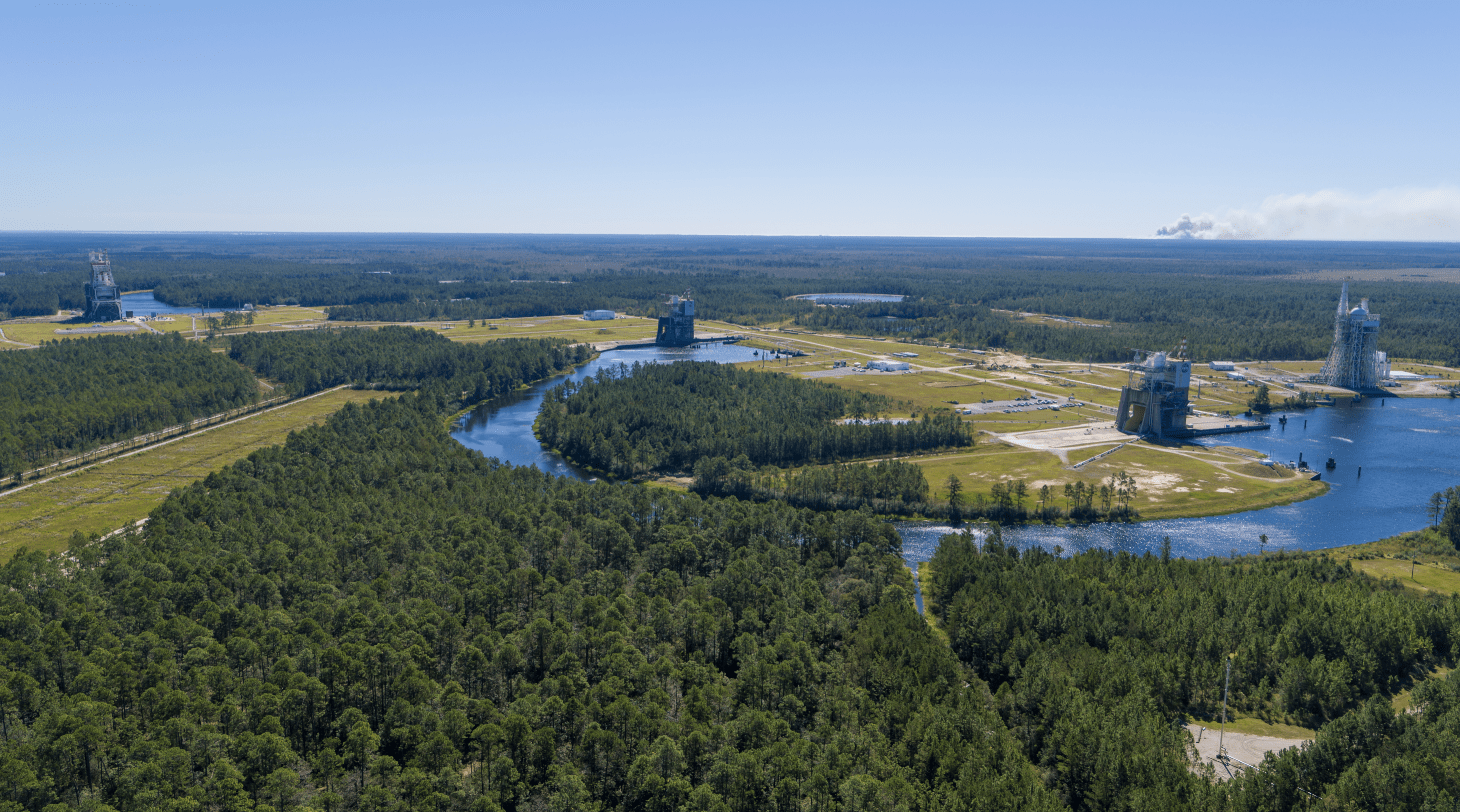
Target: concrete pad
(1242, 746)
(1068, 437)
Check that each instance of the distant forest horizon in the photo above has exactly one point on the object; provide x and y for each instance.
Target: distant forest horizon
(1238, 300)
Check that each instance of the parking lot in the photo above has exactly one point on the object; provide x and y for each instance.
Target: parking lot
(1028, 404)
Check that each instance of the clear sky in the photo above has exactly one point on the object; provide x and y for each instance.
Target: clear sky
(1321, 120)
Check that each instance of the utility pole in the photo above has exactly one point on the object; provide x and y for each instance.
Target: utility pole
(1222, 734)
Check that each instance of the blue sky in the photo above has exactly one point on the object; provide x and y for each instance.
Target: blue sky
(961, 119)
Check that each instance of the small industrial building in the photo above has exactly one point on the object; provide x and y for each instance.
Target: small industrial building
(1236, 376)
(597, 315)
(889, 366)
(1222, 366)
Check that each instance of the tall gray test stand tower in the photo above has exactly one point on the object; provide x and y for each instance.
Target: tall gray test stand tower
(678, 328)
(1354, 362)
(1155, 399)
(103, 300)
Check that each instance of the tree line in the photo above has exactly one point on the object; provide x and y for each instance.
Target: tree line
(70, 396)
(402, 358)
(1223, 319)
(1232, 302)
(663, 418)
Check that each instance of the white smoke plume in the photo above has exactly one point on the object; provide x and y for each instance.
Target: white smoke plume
(1390, 214)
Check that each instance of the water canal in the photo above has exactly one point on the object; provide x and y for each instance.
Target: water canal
(143, 303)
(502, 428)
(1407, 450)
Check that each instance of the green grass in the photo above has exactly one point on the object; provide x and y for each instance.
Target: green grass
(1171, 485)
(573, 328)
(992, 462)
(1401, 701)
(1255, 726)
(1393, 557)
(925, 577)
(923, 390)
(35, 332)
(1209, 490)
(111, 494)
(1421, 577)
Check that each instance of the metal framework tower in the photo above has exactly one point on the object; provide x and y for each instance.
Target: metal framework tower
(103, 300)
(1157, 403)
(1355, 361)
(678, 328)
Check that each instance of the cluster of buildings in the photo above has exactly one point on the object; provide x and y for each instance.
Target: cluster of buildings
(1155, 400)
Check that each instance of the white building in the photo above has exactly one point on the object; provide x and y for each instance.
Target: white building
(597, 315)
(1236, 376)
(889, 366)
(1222, 366)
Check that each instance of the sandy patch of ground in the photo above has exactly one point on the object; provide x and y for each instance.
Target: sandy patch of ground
(1156, 483)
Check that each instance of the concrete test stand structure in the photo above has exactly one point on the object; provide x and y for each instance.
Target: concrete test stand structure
(103, 300)
(678, 328)
(1355, 361)
(1155, 400)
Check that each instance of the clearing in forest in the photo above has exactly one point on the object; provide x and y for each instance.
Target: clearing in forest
(115, 492)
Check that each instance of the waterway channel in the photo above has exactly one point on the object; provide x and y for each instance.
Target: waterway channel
(143, 303)
(1391, 454)
(502, 428)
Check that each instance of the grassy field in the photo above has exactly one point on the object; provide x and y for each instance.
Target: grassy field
(1172, 483)
(1255, 726)
(7, 341)
(573, 328)
(111, 494)
(922, 390)
(265, 318)
(1401, 700)
(925, 577)
(1394, 558)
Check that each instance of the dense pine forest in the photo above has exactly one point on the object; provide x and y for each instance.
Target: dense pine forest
(665, 418)
(372, 617)
(70, 396)
(1091, 657)
(401, 358)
